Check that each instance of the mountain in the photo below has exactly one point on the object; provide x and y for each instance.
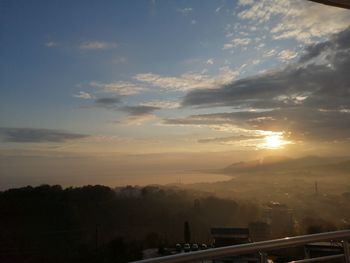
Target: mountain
(343, 166)
(280, 164)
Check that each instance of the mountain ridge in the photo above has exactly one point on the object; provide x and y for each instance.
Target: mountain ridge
(282, 163)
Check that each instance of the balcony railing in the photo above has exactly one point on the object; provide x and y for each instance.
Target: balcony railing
(262, 247)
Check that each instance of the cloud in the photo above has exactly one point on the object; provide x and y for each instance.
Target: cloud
(107, 102)
(227, 46)
(236, 42)
(210, 61)
(162, 104)
(184, 82)
(139, 110)
(138, 114)
(30, 135)
(51, 44)
(97, 45)
(185, 11)
(287, 54)
(309, 98)
(119, 60)
(270, 53)
(123, 88)
(231, 139)
(83, 95)
(246, 2)
(188, 81)
(301, 20)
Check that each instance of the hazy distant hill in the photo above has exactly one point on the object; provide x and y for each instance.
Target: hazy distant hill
(343, 166)
(280, 163)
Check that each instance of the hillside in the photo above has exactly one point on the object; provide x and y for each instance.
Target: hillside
(285, 164)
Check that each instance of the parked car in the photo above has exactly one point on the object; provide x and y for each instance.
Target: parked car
(204, 246)
(187, 247)
(195, 247)
(178, 247)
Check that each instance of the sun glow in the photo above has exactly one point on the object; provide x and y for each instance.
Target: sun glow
(274, 142)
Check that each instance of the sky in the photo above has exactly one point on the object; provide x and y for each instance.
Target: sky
(117, 92)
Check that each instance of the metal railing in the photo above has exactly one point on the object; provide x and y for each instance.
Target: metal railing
(263, 246)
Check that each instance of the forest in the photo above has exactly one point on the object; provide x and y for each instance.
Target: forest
(101, 224)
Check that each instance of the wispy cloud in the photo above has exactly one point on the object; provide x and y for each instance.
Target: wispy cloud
(30, 135)
(300, 20)
(245, 2)
(83, 95)
(236, 42)
(287, 54)
(118, 87)
(51, 44)
(97, 45)
(210, 61)
(185, 11)
(188, 81)
(270, 53)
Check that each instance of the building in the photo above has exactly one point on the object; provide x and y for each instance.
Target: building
(227, 236)
(280, 219)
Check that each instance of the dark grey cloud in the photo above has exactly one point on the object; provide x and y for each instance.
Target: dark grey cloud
(139, 110)
(113, 103)
(320, 74)
(298, 123)
(309, 98)
(27, 135)
(108, 102)
(236, 138)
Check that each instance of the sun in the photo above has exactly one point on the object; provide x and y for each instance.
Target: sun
(274, 142)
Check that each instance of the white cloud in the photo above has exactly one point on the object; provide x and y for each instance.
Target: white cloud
(210, 61)
(83, 95)
(269, 53)
(287, 54)
(51, 44)
(300, 20)
(217, 10)
(246, 2)
(189, 81)
(97, 45)
(185, 11)
(237, 42)
(241, 41)
(227, 46)
(120, 87)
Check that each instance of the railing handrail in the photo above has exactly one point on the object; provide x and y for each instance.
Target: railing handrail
(250, 247)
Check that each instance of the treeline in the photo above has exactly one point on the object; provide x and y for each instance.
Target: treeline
(100, 224)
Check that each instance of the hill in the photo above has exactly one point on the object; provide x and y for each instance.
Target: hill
(284, 164)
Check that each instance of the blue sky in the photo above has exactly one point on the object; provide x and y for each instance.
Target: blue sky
(140, 77)
(43, 62)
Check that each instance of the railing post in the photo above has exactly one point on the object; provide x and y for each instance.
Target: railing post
(263, 257)
(346, 251)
